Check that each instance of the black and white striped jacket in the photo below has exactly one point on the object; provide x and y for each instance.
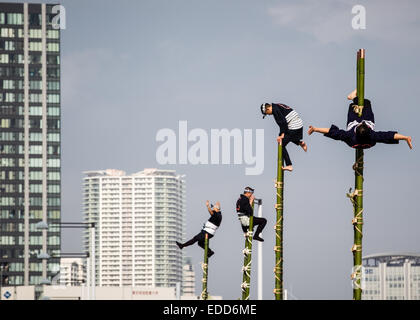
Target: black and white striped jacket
(286, 117)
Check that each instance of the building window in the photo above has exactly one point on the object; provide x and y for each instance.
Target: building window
(53, 124)
(35, 58)
(53, 240)
(8, 84)
(16, 58)
(34, 19)
(35, 97)
(35, 123)
(7, 162)
(54, 150)
(53, 175)
(35, 72)
(35, 46)
(35, 162)
(4, 123)
(35, 149)
(35, 33)
(53, 137)
(54, 214)
(53, 163)
(8, 33)
(35, 175)
(53, 111)
(53, 98)
(53, 34)
(54, 188)
(35, 214)
(4, 58)
(35, 111)
(16, 267)
(53, 47)
(36, 188)
(14, 18)
(34, 136)
(36, 267)
(7, 240)
(53, 72)
(35, 201)
(53, 59)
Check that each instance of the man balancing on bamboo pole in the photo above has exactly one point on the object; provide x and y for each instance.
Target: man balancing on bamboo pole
(210, 227)
(360, 131)
(244, 210)
(291, 128)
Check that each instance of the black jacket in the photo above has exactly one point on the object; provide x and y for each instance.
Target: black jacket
(280, 111)
(243, 206)
(349, 137)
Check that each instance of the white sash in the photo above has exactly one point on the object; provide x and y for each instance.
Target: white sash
(355, 123)
(210, 228)
(244, 220)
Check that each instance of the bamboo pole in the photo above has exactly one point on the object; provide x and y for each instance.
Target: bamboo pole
(358, 192)
(205, 267)
(278, 249)
(260, 257)
(246, 269)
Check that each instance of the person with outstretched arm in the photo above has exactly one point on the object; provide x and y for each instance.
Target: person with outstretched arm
(244, 210)
(291, 128)
(210, 227)
(360, 131)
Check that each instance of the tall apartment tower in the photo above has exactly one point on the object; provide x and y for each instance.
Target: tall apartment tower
(138, 219)
(29, 142)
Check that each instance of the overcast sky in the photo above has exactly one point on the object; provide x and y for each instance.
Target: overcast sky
(131, 68)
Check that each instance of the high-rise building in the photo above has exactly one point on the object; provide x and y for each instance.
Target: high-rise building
(72, 272)
(138, 219)
(188, 278)
(391, 277)
(29, 142)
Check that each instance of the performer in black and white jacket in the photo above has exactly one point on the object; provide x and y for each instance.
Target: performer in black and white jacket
(210, 227)
(244, 210)
(291, 127)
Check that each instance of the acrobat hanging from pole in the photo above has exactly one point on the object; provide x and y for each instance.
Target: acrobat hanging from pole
(209, 228)
(360, 131)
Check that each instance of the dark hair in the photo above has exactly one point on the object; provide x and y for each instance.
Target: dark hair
(248, 189)
(363, 133)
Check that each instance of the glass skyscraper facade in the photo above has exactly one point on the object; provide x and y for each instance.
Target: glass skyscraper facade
(30, 183)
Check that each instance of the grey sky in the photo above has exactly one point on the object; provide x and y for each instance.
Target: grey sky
(130, 68)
